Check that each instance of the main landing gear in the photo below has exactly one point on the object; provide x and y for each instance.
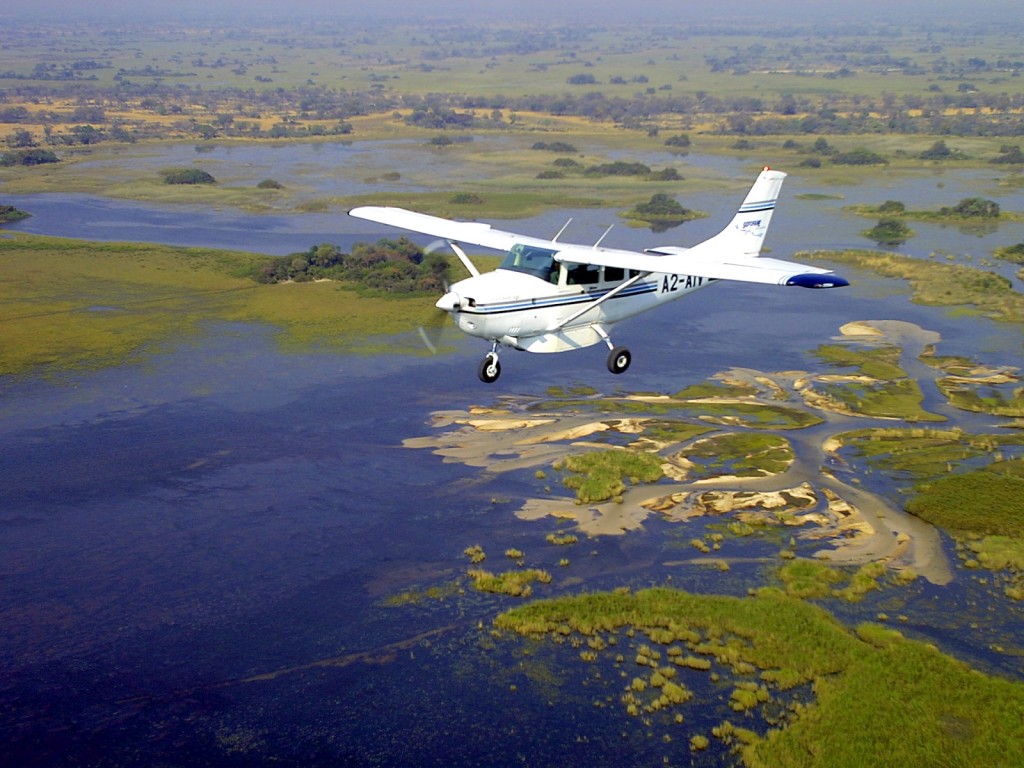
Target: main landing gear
(619, 359)
(489, 369)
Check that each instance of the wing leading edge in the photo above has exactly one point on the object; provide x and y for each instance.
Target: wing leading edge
(472, 232)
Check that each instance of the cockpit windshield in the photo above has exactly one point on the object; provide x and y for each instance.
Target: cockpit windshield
(539, 262)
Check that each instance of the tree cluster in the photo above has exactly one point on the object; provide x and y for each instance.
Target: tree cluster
(973, 208)
(1010, 155)
(859, 156)
(939, 151)
(563, 147)
(187, 176)
(889, 231)
(28, 157)
(389, 266)
(661, 206)
(9, 213)
(973, 113)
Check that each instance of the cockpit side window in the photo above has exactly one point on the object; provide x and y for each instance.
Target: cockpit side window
(583, 274)
(531, 260)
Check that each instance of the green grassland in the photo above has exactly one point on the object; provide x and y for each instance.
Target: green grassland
(964, 483)
(600, 475)
(924, 454)
(68, 304)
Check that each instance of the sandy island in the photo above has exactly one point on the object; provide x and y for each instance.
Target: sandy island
(854, 525)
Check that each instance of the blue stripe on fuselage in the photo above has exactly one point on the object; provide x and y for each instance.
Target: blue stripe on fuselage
(557, 301)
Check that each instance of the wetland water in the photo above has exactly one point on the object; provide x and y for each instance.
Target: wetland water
(199, 548)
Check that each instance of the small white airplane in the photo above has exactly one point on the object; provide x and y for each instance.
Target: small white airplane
(549, 296)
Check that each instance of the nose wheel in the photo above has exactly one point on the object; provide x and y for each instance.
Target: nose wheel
(490, 368)
(619, 359)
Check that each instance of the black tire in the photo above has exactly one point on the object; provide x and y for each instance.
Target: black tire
(619, 360)
(489, 370)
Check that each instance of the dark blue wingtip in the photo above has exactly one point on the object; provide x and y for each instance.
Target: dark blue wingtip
(811, 280)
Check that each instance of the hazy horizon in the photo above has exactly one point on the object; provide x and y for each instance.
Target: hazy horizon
(588, 11)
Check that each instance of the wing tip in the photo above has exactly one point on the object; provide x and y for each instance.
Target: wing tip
(819, 280)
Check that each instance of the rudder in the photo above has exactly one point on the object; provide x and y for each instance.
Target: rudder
(745, 234)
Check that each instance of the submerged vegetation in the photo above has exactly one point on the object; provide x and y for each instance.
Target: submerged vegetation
(772, 645)
(879, 388)
(9, 213)
(514, 583)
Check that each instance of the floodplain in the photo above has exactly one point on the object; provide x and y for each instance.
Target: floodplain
(241, 569)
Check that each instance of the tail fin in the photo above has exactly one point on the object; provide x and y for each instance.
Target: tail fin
(745, 234)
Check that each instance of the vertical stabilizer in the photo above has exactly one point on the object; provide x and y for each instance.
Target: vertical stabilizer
(745, 234)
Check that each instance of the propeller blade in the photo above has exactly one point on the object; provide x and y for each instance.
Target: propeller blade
(427, 341)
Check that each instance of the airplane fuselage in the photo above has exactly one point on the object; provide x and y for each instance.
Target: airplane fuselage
(539, 305)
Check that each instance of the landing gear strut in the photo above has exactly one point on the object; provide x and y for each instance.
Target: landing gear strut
(490, 368)
(619, 359)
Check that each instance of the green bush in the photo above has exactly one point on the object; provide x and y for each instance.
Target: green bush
(188, 176)
(28, 157)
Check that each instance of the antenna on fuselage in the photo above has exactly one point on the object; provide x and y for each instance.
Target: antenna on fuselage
(602, 237)
(564, 227)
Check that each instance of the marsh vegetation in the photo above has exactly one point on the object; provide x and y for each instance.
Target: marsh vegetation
(948, 285)
(772, 645)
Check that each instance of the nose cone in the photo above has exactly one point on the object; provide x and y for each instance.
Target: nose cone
(450, 302)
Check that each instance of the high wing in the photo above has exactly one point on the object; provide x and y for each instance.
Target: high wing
(732, 254)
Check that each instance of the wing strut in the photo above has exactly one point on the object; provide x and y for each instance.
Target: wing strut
(464, 259)
(610, 295)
